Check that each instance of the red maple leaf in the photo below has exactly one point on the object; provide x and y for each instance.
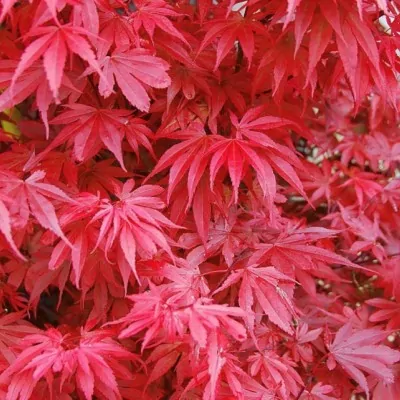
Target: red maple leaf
(5, 229)
(152, 14)
(387, 311)
(133, 70)
(359, 353)
(268, 288)
(53, 45)
(135, 223)
(89, 129)
(12, 330)
(31, 81)
(276, 372)
(86, 359)
(181, 160)
(32, 197)
(228, 31)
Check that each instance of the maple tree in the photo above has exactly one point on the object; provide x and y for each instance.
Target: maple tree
(199, 199)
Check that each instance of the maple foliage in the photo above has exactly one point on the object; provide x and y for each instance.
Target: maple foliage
(199, 199)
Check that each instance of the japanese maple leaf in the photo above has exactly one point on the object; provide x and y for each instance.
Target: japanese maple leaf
(300, 346)
(322, 25)
(263, 153)
(12, 330)
(222, 371)
(5, 229)
(267, 287)
(279, 59)
(387, 311)
(264, 156)
(382, 150)
(159, 311)
(384, 391)
(133, 70)
(34, 274)
(323, 20)
(359, 52)
(100, 177)
(320, 182)
(31, 197)
(226, 235)
(230, 89)
(89, 129)
(88, 360)
(205, 318)
(352, 146)
(115, 30)
(11, 297)
(88, 268)
(318, 392)
(47, 9)
(187, 79)
(353, 36)
(137, 134)
(359, 353)
(163, 358)
(276, 372)
(185, 159)
(74, 222)
(187, 280)
(152, 14)
(155, 311)
(8, 46)
(235, 28)
(53, 45)
(237, 155)
(369, 232)
(50, 7)
(391, 194)
(293, 248)
(217, 365)
(84, 13)
(136, 223)
(364, 184)
(31, 81)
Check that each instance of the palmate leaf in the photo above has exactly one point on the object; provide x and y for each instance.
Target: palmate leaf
(250, 147)
(387, 311)
(90, 128)
(80, 235)
(267, 287)
(228, 31)
(33, 199)
(205, 317)
(32, 81)
(135, 223)
(294, 247)
(360, 353)
(354, 37)
(5, 229)
(12, 330)
(54, 44)
(133, 70)
(152, 14)
(277, 372)
(319, 392)
(186, 159)
(237, 154)
(86, 360)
